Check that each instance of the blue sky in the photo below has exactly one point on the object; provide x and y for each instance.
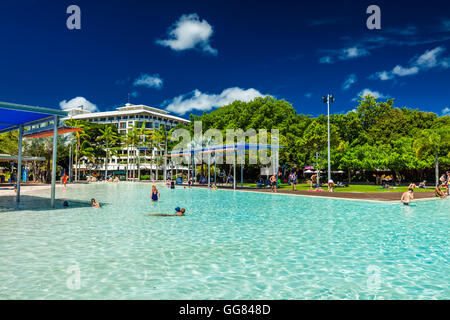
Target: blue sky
(191, 56)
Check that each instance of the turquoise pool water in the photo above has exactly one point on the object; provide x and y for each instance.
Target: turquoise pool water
(231, 245)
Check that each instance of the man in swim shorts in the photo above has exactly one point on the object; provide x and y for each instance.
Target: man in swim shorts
(407, 197)
(273, 183)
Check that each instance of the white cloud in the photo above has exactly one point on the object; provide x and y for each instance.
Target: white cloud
(428, 60)
(401, 72)
(77, 103)
(344, 54)
(446, 112)
(149, 81)
(349, 82)
(197, 100)
(373, 93)
(326, 59)
(189, 33)
(353, 52)
(134, 94)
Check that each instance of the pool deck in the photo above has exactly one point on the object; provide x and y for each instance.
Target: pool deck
(367, 196)
(374, 196)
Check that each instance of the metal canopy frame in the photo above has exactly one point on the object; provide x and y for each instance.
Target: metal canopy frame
(17, 116)
(229, 149)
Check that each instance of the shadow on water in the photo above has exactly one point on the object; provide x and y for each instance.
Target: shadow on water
(27, 202)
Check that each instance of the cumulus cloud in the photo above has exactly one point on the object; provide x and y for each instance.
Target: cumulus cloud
(78, 102)
(446, 112)
(189, 32)
(430, 59)
(344, 54)
(349, 81)
(149, 81)
(197, 100)
(371, 92)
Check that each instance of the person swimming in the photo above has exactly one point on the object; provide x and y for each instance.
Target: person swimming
(178, 212)
(155, 193)
(94, 204)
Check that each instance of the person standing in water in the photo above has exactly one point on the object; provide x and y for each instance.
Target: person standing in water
(407, 197)
(273, 183)
(154, 193)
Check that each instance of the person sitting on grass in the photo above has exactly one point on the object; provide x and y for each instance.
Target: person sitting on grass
(413, 185)
(422, 185)
(407, 197)
(94, 204)
(439, 193)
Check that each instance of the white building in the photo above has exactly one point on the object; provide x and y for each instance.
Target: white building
(125, 118)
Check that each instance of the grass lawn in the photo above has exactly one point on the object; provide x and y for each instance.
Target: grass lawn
(351, 188)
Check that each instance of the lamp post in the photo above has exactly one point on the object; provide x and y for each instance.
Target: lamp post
(329, 98)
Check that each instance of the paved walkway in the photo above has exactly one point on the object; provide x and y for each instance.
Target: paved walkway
(374, 196)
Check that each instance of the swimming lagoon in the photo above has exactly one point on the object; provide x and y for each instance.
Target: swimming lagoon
(230, 245)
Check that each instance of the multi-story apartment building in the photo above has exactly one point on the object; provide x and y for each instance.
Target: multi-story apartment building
(125, 118)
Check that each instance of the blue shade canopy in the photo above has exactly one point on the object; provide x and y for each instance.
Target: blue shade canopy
(12, 115)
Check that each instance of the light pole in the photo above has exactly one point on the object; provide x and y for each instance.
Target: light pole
(329, 98)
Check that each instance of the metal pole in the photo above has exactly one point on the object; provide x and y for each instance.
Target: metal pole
(194, 176)
(165, 151)
(19, 164)
(55, 146)
(234, 169)
(242, 169)
(209, 170)
(70, 162)
(189, 169)
(215, 168)
(329, 163)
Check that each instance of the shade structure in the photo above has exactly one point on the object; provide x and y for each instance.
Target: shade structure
(8, 158)
(235, 149)
(49, 132)
(15, 116)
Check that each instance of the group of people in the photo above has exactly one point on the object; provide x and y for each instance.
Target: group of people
(155, 195)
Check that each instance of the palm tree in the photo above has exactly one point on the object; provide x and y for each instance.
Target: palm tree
(86, 151)
(132, 139)
(78, 135)
(140, 143)
(109, 137)
(159, 137)
(148, 142)
(432, 141)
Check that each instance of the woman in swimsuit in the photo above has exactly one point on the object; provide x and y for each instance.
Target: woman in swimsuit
(155, 194)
